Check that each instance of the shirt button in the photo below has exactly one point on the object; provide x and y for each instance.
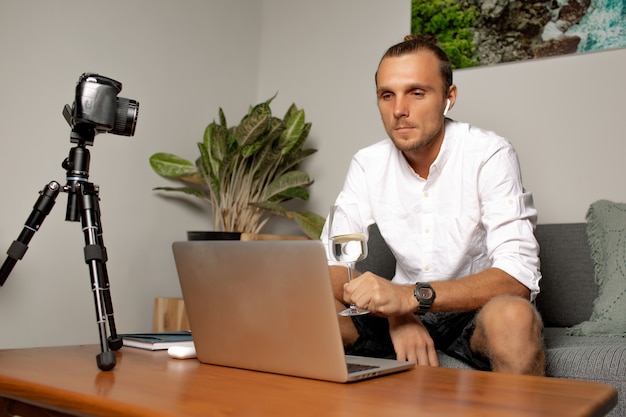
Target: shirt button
(427, 268)
(426, 194)
(427, 230)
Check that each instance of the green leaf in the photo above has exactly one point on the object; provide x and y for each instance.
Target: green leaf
(310, 223)
(187, 190)
(216, 143)
(171, 166)
(300, 193)
(294, 127)
(223, 119)
(291, 110)
(285, 182)
(264, 163)
(275, 129)
(272, 207)
(253, 124)
(203, 163)
(226, 168)
(292, 160)
(208, 170)
(303, 136)
(253, 147)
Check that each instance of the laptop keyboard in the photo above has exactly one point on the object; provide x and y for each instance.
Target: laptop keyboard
(355, 367)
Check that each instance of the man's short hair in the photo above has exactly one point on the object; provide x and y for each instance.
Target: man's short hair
(415, 43)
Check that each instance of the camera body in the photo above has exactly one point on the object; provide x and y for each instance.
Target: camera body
(98, 109)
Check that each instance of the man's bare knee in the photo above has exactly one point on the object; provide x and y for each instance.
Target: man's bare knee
(508, 332)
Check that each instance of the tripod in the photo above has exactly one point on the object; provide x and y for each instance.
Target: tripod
(82, 205)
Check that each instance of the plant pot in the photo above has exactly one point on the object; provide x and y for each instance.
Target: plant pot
(213, 235)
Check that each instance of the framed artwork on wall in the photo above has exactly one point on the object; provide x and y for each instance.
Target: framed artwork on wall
(485, 32)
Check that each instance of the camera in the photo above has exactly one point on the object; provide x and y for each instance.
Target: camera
(98, 109)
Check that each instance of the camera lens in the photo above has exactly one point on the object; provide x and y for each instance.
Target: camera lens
(125, 117)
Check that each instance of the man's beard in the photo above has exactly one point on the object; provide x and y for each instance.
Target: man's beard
(412, 145)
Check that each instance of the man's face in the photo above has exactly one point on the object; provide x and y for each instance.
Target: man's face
(411, 100)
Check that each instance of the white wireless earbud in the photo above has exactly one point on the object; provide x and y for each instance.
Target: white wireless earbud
(447, 108)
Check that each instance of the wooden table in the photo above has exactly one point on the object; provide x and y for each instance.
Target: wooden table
(143, 383)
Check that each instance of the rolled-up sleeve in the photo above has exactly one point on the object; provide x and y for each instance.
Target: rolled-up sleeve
(509, 218)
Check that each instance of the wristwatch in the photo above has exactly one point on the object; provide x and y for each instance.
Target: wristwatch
(425, 295)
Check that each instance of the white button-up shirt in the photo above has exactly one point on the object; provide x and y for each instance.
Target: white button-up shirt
(472, 213)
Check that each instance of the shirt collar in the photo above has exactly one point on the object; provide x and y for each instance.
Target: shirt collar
(447, 145)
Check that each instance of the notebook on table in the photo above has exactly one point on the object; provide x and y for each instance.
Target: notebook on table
(268, 306)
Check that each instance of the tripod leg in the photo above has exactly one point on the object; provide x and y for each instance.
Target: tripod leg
(95, 255)
(41, 209)
(115, 341)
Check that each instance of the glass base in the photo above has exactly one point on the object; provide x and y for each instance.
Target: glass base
(353, 311)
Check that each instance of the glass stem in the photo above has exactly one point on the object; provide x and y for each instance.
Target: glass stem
(350, 266)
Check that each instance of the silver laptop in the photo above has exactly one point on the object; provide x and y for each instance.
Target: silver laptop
(268, 306)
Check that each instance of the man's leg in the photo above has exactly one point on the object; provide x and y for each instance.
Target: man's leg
(349, 333)
(509, 333)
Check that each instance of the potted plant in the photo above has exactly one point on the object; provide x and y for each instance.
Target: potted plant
(245, 172)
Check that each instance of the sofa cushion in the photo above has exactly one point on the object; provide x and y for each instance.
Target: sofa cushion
(606, 229)
(588, 358)
(567, 285)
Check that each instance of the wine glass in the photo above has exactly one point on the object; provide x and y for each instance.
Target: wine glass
(348, 243)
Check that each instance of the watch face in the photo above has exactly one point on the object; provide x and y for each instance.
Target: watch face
(426, 292)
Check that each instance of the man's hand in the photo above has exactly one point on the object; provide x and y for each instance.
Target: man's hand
(380, 296)
(411, 340)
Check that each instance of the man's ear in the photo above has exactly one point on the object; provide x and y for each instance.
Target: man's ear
(451, 99)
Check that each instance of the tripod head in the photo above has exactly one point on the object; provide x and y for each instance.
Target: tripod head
(77, 168)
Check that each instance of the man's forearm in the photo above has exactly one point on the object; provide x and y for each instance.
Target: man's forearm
(385, 298)
(473, 292)
(464, 294)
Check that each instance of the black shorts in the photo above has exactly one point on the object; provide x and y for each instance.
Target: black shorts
(451, 333)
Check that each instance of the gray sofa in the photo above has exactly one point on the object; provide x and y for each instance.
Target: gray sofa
(568, 290)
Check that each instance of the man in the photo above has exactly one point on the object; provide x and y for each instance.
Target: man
(449, 201)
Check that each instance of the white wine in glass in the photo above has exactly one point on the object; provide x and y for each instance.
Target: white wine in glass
(348, 243)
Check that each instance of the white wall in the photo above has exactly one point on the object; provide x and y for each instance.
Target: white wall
(182, 60)
(565, 117)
